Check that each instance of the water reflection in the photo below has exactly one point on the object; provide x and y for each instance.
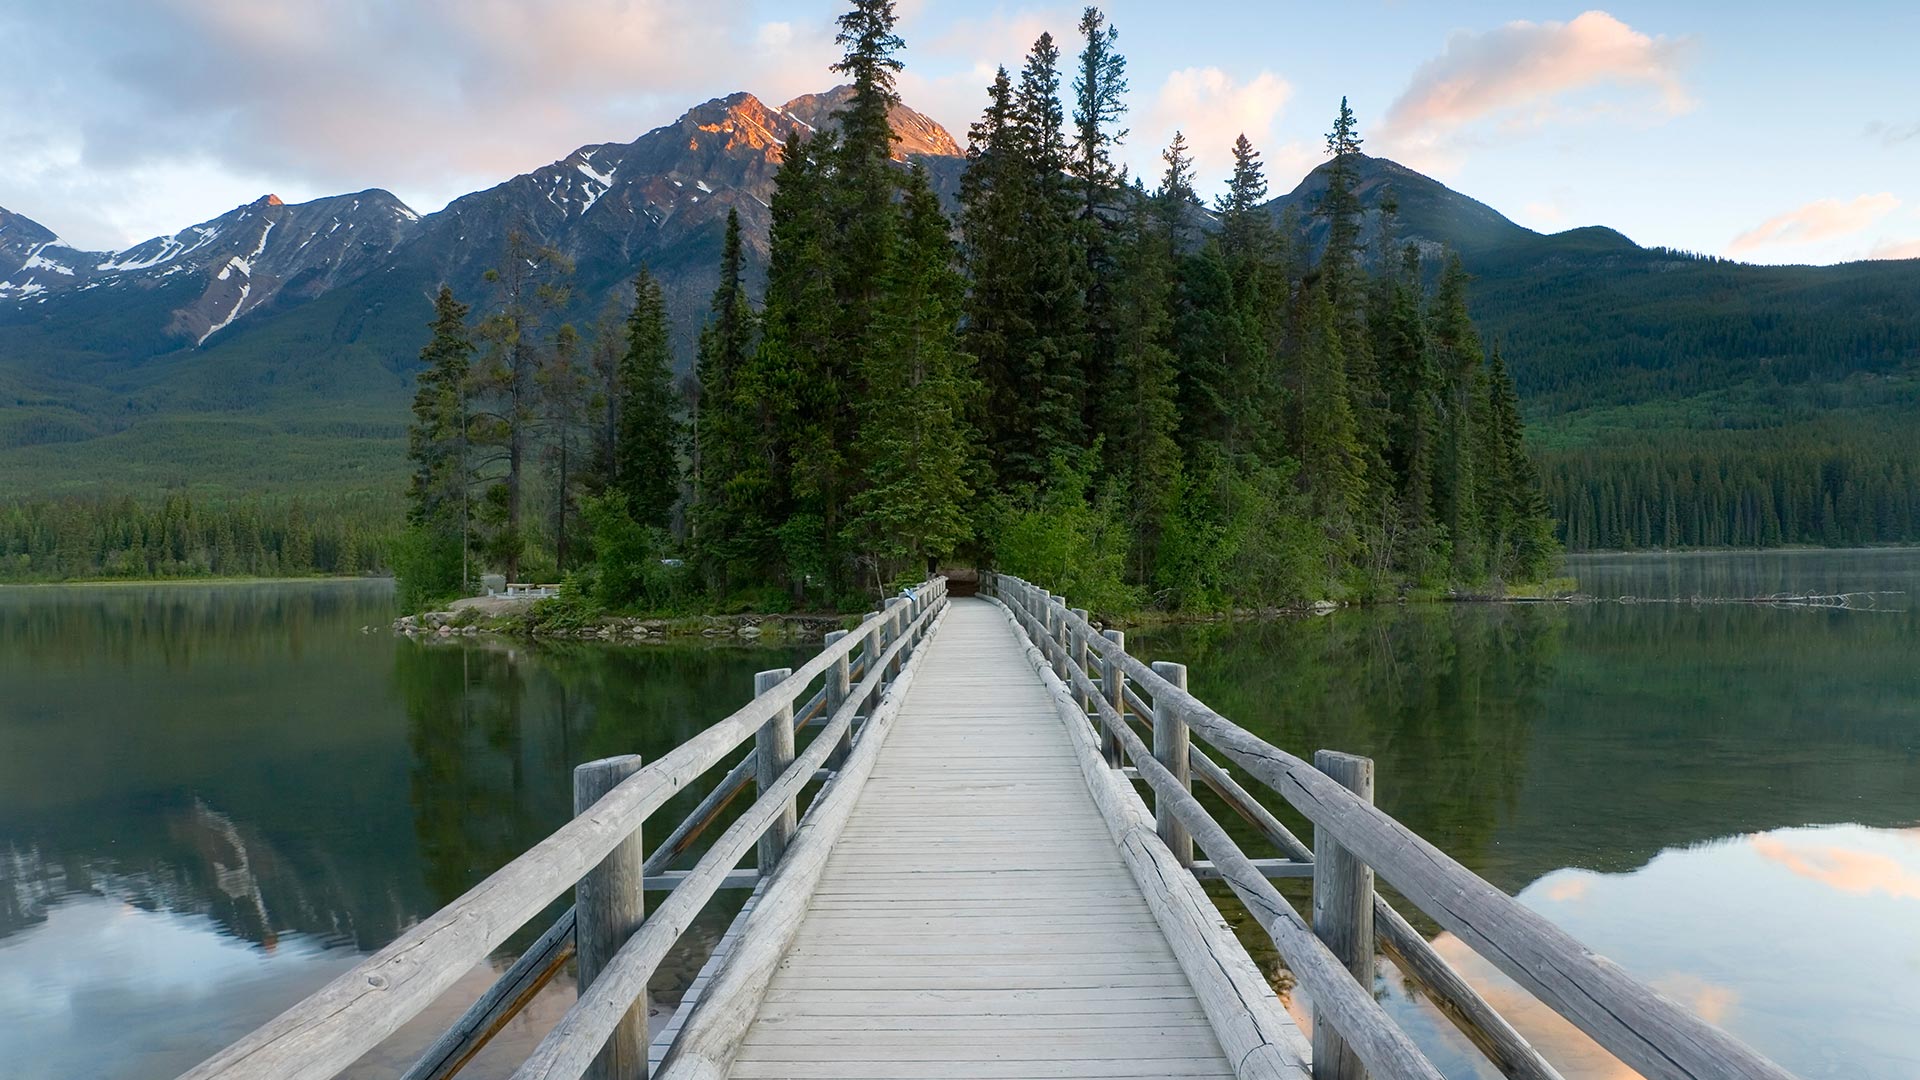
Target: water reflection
(1805, 943)
(213, 798)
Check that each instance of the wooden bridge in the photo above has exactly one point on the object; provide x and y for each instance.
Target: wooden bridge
(999, 875)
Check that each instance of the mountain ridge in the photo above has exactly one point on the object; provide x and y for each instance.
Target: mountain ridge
(275, 318)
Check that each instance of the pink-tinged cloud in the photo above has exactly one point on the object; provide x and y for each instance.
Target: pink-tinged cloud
(1212, 109)
(1517, 75)
(1895, 249)
(1822, 219)
(1860, 873)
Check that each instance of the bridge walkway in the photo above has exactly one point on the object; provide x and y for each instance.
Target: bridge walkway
(975, 919)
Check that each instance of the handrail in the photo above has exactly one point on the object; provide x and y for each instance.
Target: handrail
(1385, 1049)
(572, 1044)
(331, 1028)
(1644, 1029)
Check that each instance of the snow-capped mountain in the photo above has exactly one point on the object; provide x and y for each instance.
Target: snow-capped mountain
(219, 270)
(661, 200)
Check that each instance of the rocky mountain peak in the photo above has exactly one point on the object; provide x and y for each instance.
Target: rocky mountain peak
(919, 134)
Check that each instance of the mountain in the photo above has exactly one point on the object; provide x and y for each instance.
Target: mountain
(274, 347)
(197, 358)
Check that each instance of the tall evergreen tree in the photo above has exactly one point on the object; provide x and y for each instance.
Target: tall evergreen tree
(914, 444)
(1052, 367)
(564, 398)
(436, 440)
(1145, 418)
(994, 191)
(789, 497)
(646, 448)
(1099, 86)
(720, 434)
(1458, 361)
(529, 289)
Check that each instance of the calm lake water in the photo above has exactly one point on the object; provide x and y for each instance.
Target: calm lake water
(215, 798)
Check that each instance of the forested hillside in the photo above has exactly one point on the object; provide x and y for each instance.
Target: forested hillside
(1088, 389)
(269, 351)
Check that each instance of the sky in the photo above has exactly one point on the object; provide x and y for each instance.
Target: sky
(1762, 131)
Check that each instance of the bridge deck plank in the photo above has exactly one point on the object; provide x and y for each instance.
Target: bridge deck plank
(975, 918)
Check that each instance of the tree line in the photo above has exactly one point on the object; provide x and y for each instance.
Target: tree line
(183, 537)
(1763, 490)
(1121, 391)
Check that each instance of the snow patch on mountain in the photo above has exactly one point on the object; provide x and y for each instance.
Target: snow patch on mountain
(246, 287)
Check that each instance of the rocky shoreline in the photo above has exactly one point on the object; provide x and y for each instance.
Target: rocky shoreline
(626, 629)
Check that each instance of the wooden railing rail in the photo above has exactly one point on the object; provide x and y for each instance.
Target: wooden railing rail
(1645, 1030)
(330, 1029)
(571, 1046)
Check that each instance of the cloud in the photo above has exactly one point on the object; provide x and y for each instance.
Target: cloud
(1822, 219)
(430, 98)
(1846, 870)
(1895, 249)
(1524, 75)
(1892, 134)
(1212, 109)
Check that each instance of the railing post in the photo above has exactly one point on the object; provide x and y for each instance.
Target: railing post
(839, 685)
(1057, 630)
(1079, 655)
(773, 747)
(1170, 742)
(609, 903)
(896, 628)
(1342, 912)
(1113, 681)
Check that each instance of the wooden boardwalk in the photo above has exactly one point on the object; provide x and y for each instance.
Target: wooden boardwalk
(975, 918)
(979, 890)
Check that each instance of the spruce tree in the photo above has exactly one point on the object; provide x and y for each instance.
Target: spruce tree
(789, 496)
(1051, 364)
(1099, 87)
(529, 288)
(564, 397)
(720, 433)
(646, 447)
(1458, 362)
(994, 190)
(914, 446)
(436, 440)
(1145, 416)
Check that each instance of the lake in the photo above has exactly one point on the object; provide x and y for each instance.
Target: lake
(214, 798)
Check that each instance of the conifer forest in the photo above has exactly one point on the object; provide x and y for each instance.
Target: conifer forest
(1082, 377)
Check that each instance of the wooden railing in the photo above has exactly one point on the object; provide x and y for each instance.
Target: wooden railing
(618, 944)
(1333, 957)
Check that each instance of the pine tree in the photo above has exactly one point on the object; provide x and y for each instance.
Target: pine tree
(721, 442)
(437, 438)
(1176, 198)
(789, 494)
(564, 395)
(1051, 365)
(1099, 88)
(528, 291)
(646, 446)
(914, 445)
(1145, 418)
(993, 191)
(1458, 362)
(1327, 446)
(1412, 386)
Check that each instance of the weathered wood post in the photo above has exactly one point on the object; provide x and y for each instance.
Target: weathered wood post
(1170, 743)
(1113, 681)
(773, 749)
(609, 903)
(896, 628)
(1342, 912)
(1057, 630)
(1080, 656)
(839, 684)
